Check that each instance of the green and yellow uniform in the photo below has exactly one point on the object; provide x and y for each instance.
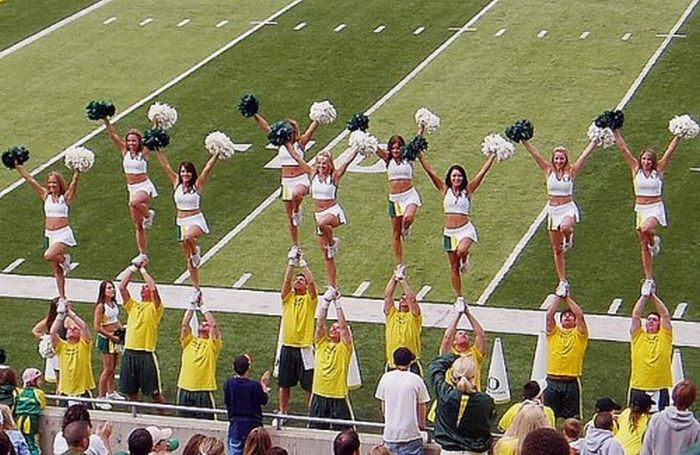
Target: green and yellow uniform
(30, 402)
(631, 438)
(330, 385)
(298, 314)
(566, 349)
(76, 367)
(197, 377)
(651, 360)
(403, 329)
(139, 367)
(507, 419)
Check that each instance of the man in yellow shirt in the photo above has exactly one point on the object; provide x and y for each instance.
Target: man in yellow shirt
(651, 350)
(333, 353)
(566, 348)
(139, 367)
(200, 353)
(458, 342)
(404, 323)
(74, 353)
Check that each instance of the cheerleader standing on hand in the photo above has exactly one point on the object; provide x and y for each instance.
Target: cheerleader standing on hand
(106, 324)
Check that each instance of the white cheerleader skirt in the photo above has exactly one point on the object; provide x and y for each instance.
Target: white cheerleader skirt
(646, 211)
(399, 202)
(183, 224)
(557, 213)
(50, 369)
(289, 183)
(63, 235)
(452, 237)
(335, 210)
(146, 186)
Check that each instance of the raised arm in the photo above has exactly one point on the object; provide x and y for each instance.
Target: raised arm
(474, 183)
(340, 170)
(150, 282)
(662, 310)
(40, 329)
(449, 336)
(262, 123)
(185, 328)
(287, 280)
(36, 186)
(437, 370)
(112, 133)
(672, 147)
(626, 153)
(165, 164)
(300, 161)
(84, 329)
(636, 319)
(578, 313)
(57, 324)
(389, 291)
(309, 133)
(539, 159)
(311, 284)
(124, 285)
(551, 323)
(479, 333)
(381, 153)
(72, 187)
(413, 305)
(581, 161)
(437, 181)
(206, 172)
(345, 334)
(321, 317)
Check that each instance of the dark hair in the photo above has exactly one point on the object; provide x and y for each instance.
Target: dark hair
(8, 376)
(138, 133)
(531, 390)
(140, 442)
(603, 420)
(448, 180)
(101, 298)
(572, 428)
(654, 313)
(189, 166)
(277, 450)
(544, 441)
(6, 447)
(53, 312)
(74, 413)
(76, 432)
(192, 446)
(258, 442)
(684, 394)
(241, 364)
(395, 139)
(346, 443)
(3, 356)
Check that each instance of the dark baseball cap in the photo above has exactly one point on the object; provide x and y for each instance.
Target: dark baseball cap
(403, 357)
(642, 401)
(606, 405)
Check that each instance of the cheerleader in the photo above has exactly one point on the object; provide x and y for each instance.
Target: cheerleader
(107, 327)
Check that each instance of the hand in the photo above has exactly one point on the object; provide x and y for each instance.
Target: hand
(265, 379)
(104, 430)
(160, 446)
(144, 263)
(114, 338)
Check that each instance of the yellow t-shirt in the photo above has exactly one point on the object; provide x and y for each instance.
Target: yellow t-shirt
(651, 360)
(298, 312)
(198, 370)
(506, 446)
(631, 439)
(565, 351)
(76, 367)
(507, 419)
(332, 366)
(478, 359)
(402, 330)
(142, 325)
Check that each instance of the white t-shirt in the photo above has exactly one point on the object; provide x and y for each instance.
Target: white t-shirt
(401, 391)
(97, 446)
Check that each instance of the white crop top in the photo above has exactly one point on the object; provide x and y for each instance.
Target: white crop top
(399, 171)
(111, 314)
(137, 165)
(557, 187)
(648, 186)
(323, 190)
(58, 209)
(456, 203)
(186, 201)
(286, 159)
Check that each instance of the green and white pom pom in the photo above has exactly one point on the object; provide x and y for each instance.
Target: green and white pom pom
(522, 130)
(359, 122)
(248, 105)
(323, 112)
(495, 144)
(79, 158)
(364, 143)
(601, 136)
(155, 139)
(683, 126)
(428, 120)
(15, 156)
(100, 109)
(610, 119)
(411, 150)
(219, 144)
(46, 349)
(162, 115)
(280, 133)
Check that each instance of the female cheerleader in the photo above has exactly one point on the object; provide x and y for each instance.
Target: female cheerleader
(141, 189)
(648, 181)
(57, 232)
(562, 212)
(459, 232)
(106, 323)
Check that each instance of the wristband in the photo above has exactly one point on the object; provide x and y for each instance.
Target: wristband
(338, 305)
(133, 269)
(293, 262)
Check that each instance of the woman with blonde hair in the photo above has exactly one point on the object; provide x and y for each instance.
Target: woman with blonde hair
(210, 445)
(258, 442)
(530, 418)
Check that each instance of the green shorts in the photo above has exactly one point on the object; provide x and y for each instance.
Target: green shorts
(196, 399)
(105, 345)
(331, 408)
(139, 371)
(564, 397)
(291, 370)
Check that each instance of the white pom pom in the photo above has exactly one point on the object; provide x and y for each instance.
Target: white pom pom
(79, 158)
(46, 347)
(365, 143)
(323, 112)
(498, 145)
(601, 136)
(427, 120)
(162, 115)
(683, 126)
(220, 144)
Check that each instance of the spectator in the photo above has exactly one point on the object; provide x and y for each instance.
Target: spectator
(276, 450)
(30, 401)
(531, 417)
(162, 439)
(8, 426)
(8, 386)
(632, 423)
(6, 447)
(379, 450)
(674, 429)
(244, 400)
(140, 442)
(347, 442)
(192, 446)
(572, 432)
(42, 331)
(212, 446)
(99, 442)
(455, 430)
(77, 436)
(3, 358)
(404, 397)
(605, 404)
(532, 394)
(544, 441)
(600, 439)
(258, 442)
(404, 322)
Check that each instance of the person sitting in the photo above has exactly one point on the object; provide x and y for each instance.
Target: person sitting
(99, 442)
(544, 441)
(77, 436)
(600, 439)
(347, 442)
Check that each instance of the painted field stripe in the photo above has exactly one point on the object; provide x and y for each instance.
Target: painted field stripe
(423, 292)
(615, 306)
(625, 99)
(242, 147)
(542, 34)
(264, 22)
(626, 36)
(694, 169)
(146, 21)
(675, 35)
(222, 23)
(340, 27)
(501, 32)
(242, 280)
(300, 25)
(361, 289)
(584, 35)
(419, 30)
(51, 28)
(379, 29)
(680, 310)
(13, 265)
(74, 265)
(153, 94)
(340, 137)
(110, 20)
(184, 22)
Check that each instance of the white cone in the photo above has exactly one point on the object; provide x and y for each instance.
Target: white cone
(677, 371)
(354, 376)
(497, 384)
(280, 339)
(194, 324)
(539, 363)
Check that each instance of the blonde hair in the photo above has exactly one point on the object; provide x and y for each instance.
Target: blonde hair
(331, 166)
(59, 178)
(464, 374)
(211, 446)
(561, 149)
(258, 442)
(529, 418)
(379, 450)
(8, 423)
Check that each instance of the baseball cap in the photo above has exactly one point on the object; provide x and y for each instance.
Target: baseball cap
(163, 434)
(29, 375)
(403, 356)
(606, 404)
(642, 401)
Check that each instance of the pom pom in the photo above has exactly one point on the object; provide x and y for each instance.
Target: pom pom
(14, 156)
(522, 130)
(358, 121)
(601, 136)
(427, 120)
(155, 139)
(248, 105)
(364, 143)
(495, 144)
(683, 126)
(162, 115)
(46, 349)
(220, 144)
(411, 150)
(323, 112)
(79, 159)
(100, 109)
(610, 119)
(280, 133)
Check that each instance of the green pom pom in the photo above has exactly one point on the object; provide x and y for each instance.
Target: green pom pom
(155, 139)
(248, 105)
(411, 150)
(522, 130)
(610, 119)
(14, 156)
(100, 109)
(280, 133)
(358, 121)
(513, 133)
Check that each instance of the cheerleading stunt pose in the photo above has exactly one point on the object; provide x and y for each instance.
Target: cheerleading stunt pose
(459, 232)
(562, 212)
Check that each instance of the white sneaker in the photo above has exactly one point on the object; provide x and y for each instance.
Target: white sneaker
(400, 272)
(405, 232)
(196, 258)
(103, 406)
(567, 243)
(139, 260)
(464, 265)
(330, 294)
(148, 221)
(648, 287)
(65, 265)
(333, 249)
(293, 252)
(655, 249)
(196, 296)
(297, 217)
(115, 396)
(562, 289)
(460, 304)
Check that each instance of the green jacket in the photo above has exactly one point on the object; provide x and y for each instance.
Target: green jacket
(471, 431)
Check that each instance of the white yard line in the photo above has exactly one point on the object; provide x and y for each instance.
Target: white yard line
(339, 27)
(423, 292)
(184, 22)
(222, 23)
(146, 21)
(109, 20)
(153, 94)
(13, 265)
(299, 26)
(361, 289)
(542, 34)
(584, 35)
(501, 32)
(242, 280)
(625, 99)
(419, 30)
(615, 306)
(379, 29)
(679, 312)
(626, 36)
(51, 28)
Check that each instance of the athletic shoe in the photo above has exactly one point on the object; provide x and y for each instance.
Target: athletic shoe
(196, 296)
(196, 258)
(138, 260)
(103, 406)
(464, 264)
(460, 304)
(65, 265)
(330, 294)
(400, 272)
(405, 232)
(148, 221)
(562, 289)
(115, 396)
(62, 305)
(567, 243)
(655, 249)
(297, 217)
(278, 422)
(648, 288)
(333, 249)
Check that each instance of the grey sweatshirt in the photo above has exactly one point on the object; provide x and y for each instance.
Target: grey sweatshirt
(670, 432)
(601, 442)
